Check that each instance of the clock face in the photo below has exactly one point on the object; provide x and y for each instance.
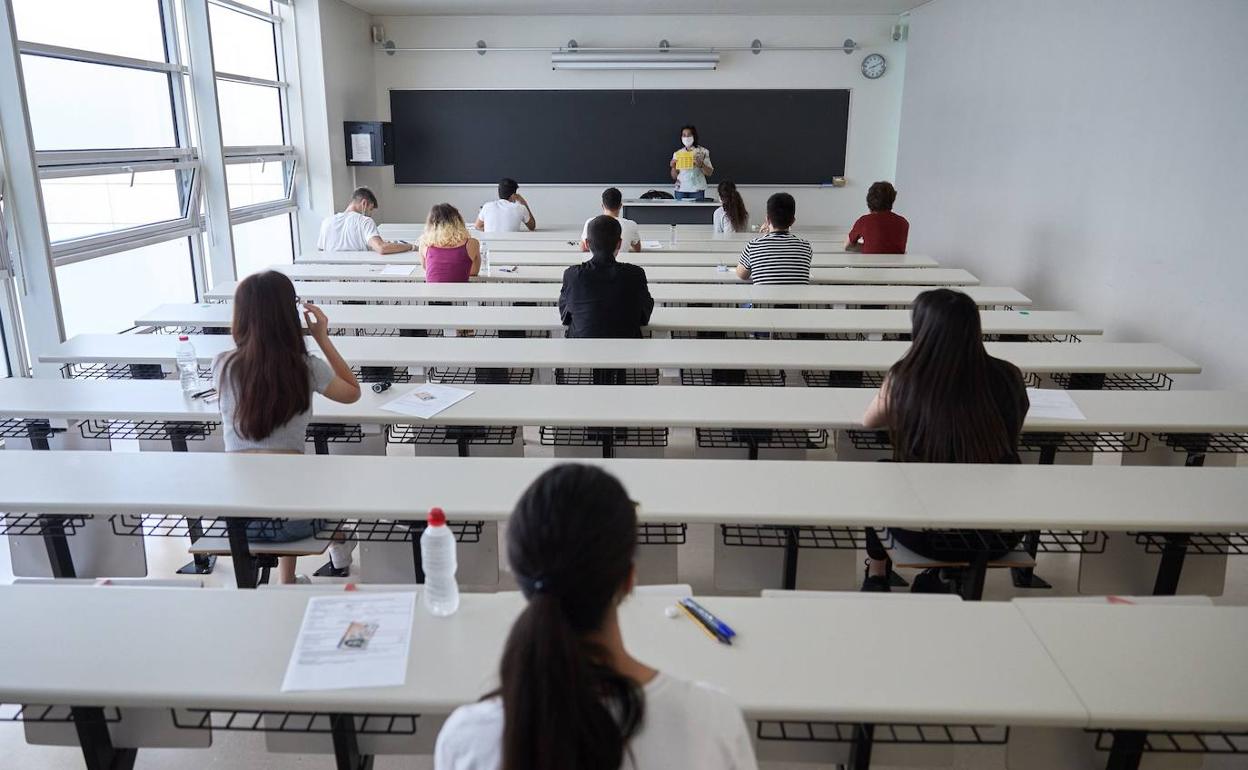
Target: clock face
(873, 66)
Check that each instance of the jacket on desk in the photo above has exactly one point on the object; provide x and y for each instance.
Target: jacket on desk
(605, 298)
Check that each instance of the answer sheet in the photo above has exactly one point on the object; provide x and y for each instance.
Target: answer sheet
(1051, 404)
(426, 400)
(352, 640)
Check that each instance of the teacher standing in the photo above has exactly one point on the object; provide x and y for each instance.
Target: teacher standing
(691, 165)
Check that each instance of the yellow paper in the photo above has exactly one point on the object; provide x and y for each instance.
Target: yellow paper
(684, 160)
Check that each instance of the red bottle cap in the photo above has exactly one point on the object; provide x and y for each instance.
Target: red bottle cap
(183, 338)
(437, 517)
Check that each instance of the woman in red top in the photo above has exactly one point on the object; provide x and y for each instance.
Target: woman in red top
(881, 231)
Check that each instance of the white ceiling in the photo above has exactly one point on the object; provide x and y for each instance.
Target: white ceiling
(632, 8)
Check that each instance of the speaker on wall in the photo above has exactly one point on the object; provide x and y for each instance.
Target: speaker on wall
(369, 143)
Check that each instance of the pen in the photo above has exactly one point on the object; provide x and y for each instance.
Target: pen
(705, 628)
(706, 616)
(203, 393)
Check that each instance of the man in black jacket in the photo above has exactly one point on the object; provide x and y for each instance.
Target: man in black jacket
(602, 297)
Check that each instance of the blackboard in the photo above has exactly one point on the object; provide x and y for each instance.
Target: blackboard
(773, 137)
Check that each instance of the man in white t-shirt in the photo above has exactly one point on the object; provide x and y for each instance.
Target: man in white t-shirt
(353, 228)
(612, 202)
(507, 214)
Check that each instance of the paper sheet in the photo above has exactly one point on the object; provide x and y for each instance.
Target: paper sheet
(426, 400)
(1052, 404)
(652, 244)
(361, 148)
(684, 160)
(352, 640)
(398, 269)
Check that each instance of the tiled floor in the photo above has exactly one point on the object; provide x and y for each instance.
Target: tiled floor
(246, 752)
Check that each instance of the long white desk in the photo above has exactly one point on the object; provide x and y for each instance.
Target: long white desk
(832, 234)
(663, 293)
(889, 276)
(725, 248)
(664, 319)
(648, 259)
(1038, 358)
(1177, 411)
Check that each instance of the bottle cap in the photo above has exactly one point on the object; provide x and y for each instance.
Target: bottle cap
(183, 338)
(437, 517)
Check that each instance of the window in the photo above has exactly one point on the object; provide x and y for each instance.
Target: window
(129, 28)
(78, 206)
(262, 244)
(250, 114)
(258, 182)
(242, 44)
(105, 294)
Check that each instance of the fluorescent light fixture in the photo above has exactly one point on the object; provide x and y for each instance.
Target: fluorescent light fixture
(632, 60)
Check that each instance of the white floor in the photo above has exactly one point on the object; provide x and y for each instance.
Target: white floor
(244, 752)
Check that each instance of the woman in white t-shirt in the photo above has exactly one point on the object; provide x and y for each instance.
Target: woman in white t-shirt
(731, 216)
(690, 166)
(571, 696)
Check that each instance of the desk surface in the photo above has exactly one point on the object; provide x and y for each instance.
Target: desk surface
(809, 680)
(663, 293)
(894, 276)
(568, 232)
(663, 319)
(789, 492)
(1150, 666)
(725, 248)
(1177, 411)
(543, 254)
(836, 355)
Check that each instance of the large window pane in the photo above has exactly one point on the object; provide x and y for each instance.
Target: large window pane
(121, 27)
(250, 115)
(255, 182)
(88, 205)
(105, 295)
(261, 244)
(242, 44)
(77, 106)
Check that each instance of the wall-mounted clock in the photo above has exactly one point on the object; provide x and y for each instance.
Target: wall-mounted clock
(873, 66)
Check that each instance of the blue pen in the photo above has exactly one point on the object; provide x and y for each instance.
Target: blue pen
(708, 617)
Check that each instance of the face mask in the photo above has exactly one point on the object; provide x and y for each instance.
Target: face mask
(686, 141)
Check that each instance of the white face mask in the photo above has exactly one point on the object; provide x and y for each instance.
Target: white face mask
(686, 141)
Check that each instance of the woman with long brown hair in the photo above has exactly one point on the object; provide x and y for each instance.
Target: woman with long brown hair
(266, 384)
(570, 695)
(731, 216)
(945, 401)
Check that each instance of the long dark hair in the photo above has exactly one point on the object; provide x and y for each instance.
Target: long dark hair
(268, 370)
(734, 206)
(940, 400)
(570, 544)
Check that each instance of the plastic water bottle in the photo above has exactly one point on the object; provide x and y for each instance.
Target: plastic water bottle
(485, 256)
(671, 241)
(188, 366)
(437, 553)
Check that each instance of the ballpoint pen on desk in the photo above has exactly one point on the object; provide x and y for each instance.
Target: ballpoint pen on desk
(708, 617)
(709, 630)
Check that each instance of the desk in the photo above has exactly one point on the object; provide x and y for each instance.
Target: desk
(663, 293)
(896, 276)
(835, 355)
(663, 319)
(830, 234)
(546, 256)
(670, 212)
(729, 246)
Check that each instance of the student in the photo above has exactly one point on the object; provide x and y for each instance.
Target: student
(881, 231)
(945, 401)
(779, 257)
(602, 297)
(690, 166)
(612, 202)
(447, 252)
(353, 228)
(507, 214)
(266, 385)
(731, 216)
(570, 695)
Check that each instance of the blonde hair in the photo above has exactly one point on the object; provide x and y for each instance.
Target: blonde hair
(444, 228)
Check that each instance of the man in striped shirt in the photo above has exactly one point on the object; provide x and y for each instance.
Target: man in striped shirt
(779, 257)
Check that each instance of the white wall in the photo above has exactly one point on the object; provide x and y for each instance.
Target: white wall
(1091, 155)
(874, 108)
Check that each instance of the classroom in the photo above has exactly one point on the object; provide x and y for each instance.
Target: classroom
(714, 385)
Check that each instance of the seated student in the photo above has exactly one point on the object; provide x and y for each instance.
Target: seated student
(779, 257)
(507, 214)
(353, 228)
(602, 297)
(731, 216)
(612, 202)
(447, 252)
(945, 401)
(881, 231)
(570, 695)
(266, 384)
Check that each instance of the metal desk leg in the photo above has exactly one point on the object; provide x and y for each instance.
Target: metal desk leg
(417, 560)
(860, 749)
(245, 567)
(972, 583)
(54, 539)
(1026, 577)
(200, 564)
(97, 746)
(346, 744)
(789, 580)
(1171, 567)
(1127, 750)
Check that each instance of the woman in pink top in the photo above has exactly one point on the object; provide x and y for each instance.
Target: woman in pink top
(447, 253)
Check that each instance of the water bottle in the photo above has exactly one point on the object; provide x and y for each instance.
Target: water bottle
(437, 554)
(485, 256)
(671, 241)
(188, 366)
